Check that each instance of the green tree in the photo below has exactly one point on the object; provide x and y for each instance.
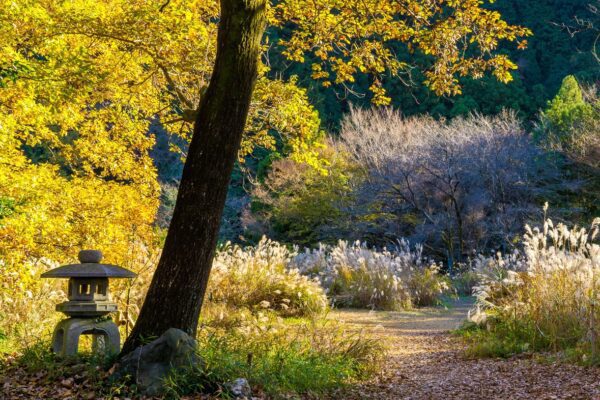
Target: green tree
(303, 204)
(571, 123)
(568, 108)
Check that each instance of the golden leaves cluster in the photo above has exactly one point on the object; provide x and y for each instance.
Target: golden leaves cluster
(74, 170)
(349, 37)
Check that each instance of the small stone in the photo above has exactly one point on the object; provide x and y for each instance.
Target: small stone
(239, 388)
(68, 383)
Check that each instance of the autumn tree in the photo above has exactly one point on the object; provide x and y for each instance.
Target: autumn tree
(464, 186)
(74, 165)
(348, 37)
(81, 83)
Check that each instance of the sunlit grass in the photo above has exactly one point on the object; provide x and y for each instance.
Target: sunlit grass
(544, 299)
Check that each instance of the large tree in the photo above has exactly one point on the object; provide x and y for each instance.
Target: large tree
(348, 37)
(179, 283)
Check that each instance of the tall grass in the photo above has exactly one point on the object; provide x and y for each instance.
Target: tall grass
(260, 277)
(268, 276)
(27, 302)
(265, 277)
(357, 276)
(287, 357)
(543, 298)
(263, 320)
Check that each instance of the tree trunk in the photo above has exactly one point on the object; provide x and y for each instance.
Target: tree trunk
(177, 290)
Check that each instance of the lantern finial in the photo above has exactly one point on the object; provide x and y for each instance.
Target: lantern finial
(90, 256)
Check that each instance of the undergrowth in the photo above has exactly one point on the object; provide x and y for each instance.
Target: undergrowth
(286, 356)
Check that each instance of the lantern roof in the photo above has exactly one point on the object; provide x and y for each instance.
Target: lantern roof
(90, 267)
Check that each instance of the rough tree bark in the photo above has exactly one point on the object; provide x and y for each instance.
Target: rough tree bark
(177, 290)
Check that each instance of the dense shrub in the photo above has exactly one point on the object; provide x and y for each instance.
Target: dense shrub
(545, 297)
(304, 203)
(357, 276)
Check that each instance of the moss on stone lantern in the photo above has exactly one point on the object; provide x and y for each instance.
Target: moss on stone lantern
(89, 301)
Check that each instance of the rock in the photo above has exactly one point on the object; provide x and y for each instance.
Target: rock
(150, 364)
(239, 389)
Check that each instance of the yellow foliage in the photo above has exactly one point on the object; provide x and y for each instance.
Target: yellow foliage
(99, 72)
(47, 213)
(353, 35)
(282, 107)
(80, 84)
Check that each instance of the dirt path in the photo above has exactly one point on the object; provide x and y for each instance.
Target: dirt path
(426, 362)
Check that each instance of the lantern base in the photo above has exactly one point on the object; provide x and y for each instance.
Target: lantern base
(106, 338)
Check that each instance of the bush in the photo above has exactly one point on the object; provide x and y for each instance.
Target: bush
(427, 285)
(464, 279)
(545, 297)
(357, 276)
(304, 203)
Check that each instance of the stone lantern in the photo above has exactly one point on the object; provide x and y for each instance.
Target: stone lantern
(88, 306)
